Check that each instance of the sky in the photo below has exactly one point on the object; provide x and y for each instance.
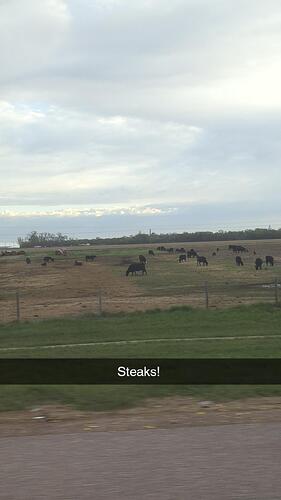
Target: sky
(117, 116)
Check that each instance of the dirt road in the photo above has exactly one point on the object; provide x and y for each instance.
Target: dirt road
(215, 462)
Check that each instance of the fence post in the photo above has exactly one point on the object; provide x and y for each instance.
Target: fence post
(206, 294)
(276, 291)
(18, 305)
(99, 303)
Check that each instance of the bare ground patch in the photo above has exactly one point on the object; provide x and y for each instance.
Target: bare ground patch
(155, 413)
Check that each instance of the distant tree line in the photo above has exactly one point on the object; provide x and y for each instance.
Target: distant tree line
(54, 240)
(35, 239)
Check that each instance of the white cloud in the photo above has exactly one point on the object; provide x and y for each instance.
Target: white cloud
(139, 103)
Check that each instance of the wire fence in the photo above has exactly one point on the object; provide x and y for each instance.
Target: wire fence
(21, 305)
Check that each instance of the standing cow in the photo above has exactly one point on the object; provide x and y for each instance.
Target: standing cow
(182, 258)
(258, 264)
(192, 253)
(269, 260)
(90, 258)
(142, 259)
(150, 252)
(239, 261)
(201, 260)
(47, 258)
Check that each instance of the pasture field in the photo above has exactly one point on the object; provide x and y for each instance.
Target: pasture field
(61, 289)
(245, 331)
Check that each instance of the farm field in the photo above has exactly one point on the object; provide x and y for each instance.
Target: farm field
(245, 331)
(62, 289)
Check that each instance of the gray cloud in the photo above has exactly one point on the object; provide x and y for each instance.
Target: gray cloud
(140, 103)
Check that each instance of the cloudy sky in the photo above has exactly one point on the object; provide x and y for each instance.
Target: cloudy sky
(121, 115)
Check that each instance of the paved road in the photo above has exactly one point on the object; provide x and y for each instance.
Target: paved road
(212, 463)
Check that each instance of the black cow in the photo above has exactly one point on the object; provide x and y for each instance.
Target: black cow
(78, 263)
(201, 260)
(239, 261)
(43, 263)
(161, 249)
(237, 248)
(28, 260)
(142, 259)
(90, 258)
(269, 260)
(48, 259)
(150, 252)
(258, 263)
(217, 249)
(214, 254)
(182, 258)
(192, 253)
(136, 267)
(170, 250)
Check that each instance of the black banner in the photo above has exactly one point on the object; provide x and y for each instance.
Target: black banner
(140, 371)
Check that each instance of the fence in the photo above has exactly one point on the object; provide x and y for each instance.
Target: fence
(21, 305)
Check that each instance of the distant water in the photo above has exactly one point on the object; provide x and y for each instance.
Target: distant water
(10, 244)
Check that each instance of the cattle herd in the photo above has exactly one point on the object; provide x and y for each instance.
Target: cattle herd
(184, 254)
(140, 266)
(47, 259)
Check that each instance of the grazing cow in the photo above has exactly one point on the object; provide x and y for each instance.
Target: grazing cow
(28, 260)
(150, 252)
(136, 267)
(78, 263)
(182, 258)
(90, 258)
(142, 259)
(269, 260)
(214, 254)
(239, 261)
(201, 260)
(258, 264)
(47, 258)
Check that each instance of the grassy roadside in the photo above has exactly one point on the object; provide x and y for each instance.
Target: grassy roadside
(180, 322)
(175, 326)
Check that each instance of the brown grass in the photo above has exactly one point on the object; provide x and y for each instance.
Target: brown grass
(60, 288)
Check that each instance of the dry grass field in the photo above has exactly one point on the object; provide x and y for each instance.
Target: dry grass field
(61, 289)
